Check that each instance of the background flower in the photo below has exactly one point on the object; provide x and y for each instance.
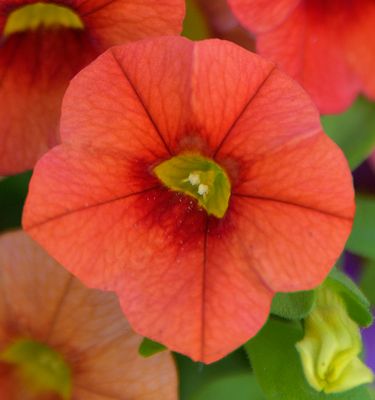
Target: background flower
(40, 301)
(328, 46)
(37, 63)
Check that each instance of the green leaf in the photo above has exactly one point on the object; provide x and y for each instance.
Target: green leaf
(367, 282)
(148, 348)
(356, 302)
(196, 377)
(13, 191)
(278, 367)
(195, 24)
(362, 238)
(293, 306)
(353, 131)
(239, 386)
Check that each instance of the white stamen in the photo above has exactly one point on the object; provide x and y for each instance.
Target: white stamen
(194, 179)
(202, 189)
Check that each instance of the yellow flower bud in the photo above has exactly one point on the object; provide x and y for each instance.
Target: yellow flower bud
(331, 346)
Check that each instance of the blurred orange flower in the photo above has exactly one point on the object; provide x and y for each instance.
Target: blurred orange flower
(43, 45)
(328, 46)
(44, 307)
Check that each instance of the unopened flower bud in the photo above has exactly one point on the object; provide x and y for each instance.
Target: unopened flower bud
(331, 346)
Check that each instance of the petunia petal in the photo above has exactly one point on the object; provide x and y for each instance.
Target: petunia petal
(115, 21)
(308, 47)
(124, 123)
(212, 300)
(262, 15)
(269, 137)
(265, 142)
(31, 89)
(217, 67)
(270, 120)
(176, 88)
(359, 44)
(291, 240)
(318, 160)
(162, 84)
(23, 267)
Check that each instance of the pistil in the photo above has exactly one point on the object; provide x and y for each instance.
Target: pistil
(198, 177)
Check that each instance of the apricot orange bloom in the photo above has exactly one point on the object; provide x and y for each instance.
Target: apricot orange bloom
(60, 340)
(328, 46)
(194, 179)
(44, 44)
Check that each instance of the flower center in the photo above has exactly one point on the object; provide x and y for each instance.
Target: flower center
(198, 177)
(33, 16)
(40, 368)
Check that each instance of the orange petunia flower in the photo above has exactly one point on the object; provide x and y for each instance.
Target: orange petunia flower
(328, 46)
(60, 340)
(43, 45)
(195, 187)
